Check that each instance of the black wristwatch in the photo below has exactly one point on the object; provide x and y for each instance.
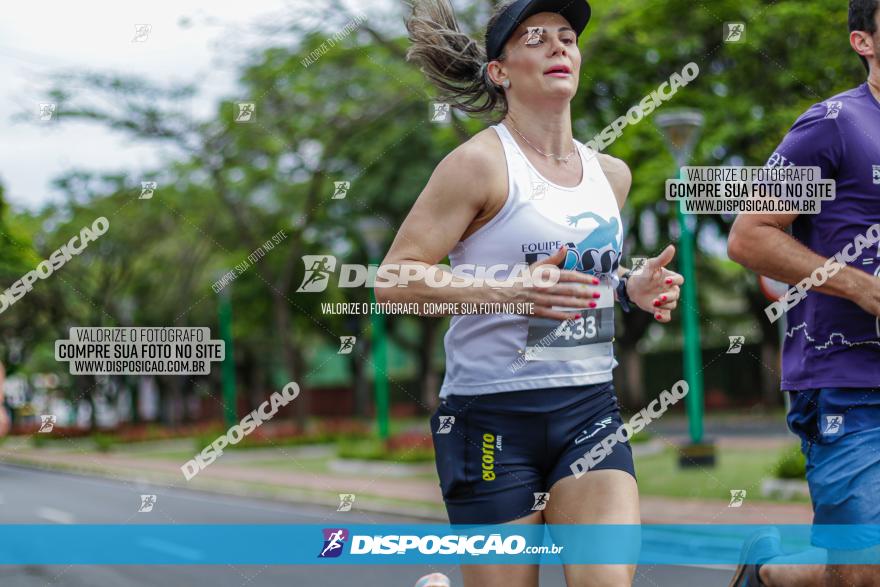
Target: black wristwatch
(622, 296)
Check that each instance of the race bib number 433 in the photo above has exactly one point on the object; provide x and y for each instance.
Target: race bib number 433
(589, 336)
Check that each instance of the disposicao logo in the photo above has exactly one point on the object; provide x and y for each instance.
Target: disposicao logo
(334, 541)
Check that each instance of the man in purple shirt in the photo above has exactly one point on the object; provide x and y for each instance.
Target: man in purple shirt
(831, 353)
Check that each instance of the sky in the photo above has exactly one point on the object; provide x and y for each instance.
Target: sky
(188, 40)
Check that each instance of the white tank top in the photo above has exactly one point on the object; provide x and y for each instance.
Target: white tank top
(491, 353)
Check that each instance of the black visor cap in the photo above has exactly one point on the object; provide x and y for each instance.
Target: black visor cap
(576, 12)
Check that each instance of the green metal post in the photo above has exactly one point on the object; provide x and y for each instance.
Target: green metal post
(693, 371)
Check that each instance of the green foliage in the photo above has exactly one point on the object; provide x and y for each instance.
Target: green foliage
(792, 465)
(40, 440)
(104, 442)
(258, 441)
(641, 438)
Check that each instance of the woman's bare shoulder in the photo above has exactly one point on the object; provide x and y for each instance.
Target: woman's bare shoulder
(480, 157)
(474, 174)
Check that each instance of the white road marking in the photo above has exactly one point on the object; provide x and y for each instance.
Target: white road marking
(53, 515)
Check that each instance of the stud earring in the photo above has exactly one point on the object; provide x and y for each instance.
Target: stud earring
(506, 84)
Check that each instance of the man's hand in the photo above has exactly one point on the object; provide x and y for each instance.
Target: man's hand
(655, 288)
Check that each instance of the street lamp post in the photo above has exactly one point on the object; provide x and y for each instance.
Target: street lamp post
(374, 230)
(681, 128)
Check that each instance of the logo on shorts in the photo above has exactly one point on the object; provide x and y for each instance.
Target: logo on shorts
(834, 108)
(598, 426)
(488, 457)
(876, 174)
(334, 540)
(540, 501)
(832, 424)
(446, 423)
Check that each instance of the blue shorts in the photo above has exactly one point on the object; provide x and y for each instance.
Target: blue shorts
(840, 437)
(503, 448)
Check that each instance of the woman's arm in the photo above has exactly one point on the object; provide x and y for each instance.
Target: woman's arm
(450, 202)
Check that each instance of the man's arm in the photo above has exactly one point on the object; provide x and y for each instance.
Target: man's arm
(759, 242)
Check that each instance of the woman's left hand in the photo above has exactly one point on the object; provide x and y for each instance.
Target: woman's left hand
(655, 288)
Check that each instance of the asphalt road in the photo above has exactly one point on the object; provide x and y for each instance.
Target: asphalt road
(39, 497)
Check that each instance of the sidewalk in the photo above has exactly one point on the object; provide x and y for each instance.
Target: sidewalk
(381, 491)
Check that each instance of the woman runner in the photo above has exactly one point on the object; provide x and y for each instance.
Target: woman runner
(526, 395)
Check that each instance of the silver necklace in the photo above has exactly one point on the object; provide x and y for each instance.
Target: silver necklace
(564, 159)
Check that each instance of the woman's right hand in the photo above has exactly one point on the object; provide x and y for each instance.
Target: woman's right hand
(573, 289)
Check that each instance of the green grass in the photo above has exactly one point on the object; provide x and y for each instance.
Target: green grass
(792, 465)
(659, 474)
(374, 450)
(641, 438)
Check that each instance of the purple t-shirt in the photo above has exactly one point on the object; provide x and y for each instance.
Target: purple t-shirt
(831, 341)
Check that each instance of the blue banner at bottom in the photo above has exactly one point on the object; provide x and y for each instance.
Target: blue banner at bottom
(173, 544)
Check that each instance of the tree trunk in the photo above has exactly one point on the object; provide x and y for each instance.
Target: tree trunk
(90, 397)
(135, 403)
(291, 360)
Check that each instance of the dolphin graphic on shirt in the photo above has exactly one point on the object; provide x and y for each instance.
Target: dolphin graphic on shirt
(599, 252)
